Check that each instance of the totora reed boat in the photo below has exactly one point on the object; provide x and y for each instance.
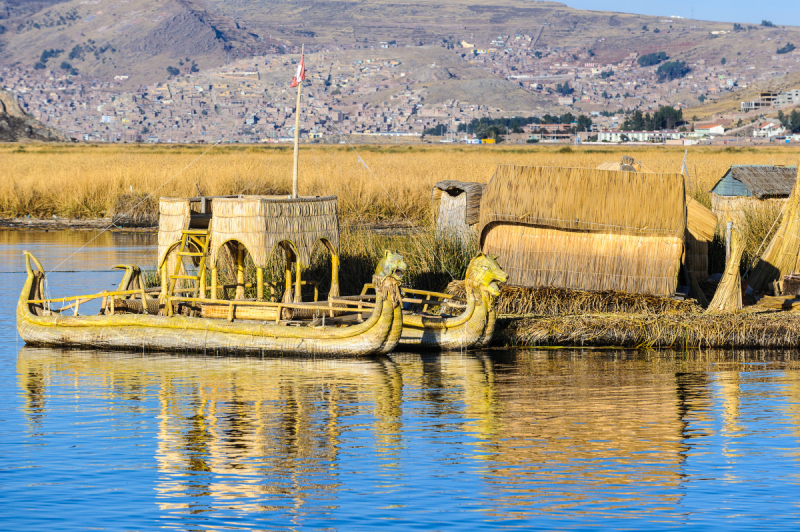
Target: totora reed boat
(124, 328)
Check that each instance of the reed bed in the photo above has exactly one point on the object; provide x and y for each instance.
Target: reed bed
(83, 181)
(733, 330)
(546, 301)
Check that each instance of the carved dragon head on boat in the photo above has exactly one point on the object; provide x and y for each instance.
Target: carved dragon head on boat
(389, 274)
(484, 274)
(391, 265)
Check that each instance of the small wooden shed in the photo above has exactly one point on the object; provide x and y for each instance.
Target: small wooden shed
(586, 229)
(752, 185)
(459, 208)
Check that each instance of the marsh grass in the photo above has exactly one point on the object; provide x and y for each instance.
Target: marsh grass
(372, 182)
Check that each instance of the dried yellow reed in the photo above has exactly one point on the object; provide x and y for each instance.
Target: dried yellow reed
(781, 255)
(728, 297)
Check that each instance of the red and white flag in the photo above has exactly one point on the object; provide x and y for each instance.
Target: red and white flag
(301, 72)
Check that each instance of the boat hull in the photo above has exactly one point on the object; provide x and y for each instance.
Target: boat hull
(378, 333)
(472, 329)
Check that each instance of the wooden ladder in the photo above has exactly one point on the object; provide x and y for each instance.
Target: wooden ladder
(200, 238)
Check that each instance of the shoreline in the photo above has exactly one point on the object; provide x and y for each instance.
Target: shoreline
(390, 228)
(68, 224)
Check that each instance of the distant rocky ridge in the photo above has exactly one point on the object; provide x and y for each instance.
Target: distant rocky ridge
(16, 126)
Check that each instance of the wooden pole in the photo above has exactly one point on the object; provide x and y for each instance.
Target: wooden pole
(298, 292)
(287, 293)
(260, 284)
(728, 230)
(239, 272)
(214, 294)
(297, 134)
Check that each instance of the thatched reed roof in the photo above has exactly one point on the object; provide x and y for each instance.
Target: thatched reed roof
(585, 229)
(262, 222)
(759, 181)
(581, 199)
(474, 192)
(700, 221)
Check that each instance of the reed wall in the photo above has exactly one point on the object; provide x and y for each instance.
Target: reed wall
(583, 260)
(174, 214)
(733, 207)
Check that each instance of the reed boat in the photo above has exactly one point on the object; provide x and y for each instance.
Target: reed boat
(125, 323)
(461, 323)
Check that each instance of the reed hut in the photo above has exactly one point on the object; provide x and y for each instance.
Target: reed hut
(585, 229)
(701, 223)
(744, 187)
(781, 257)
(459, 208)
(255, 226)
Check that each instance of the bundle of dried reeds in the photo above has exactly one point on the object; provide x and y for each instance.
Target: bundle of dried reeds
(781, 255)
(548, 301)
(728, 297)
(739, 329)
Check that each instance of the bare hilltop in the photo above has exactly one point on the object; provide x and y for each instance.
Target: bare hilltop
(383, 65)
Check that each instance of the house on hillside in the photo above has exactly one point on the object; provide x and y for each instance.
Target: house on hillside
(746, 186)
(710, 128)
(768, 130)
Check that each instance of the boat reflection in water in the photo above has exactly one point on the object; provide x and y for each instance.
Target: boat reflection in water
(509, 434)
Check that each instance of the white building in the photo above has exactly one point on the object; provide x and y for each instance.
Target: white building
(709, 129)
(637, 136)
(768, 130)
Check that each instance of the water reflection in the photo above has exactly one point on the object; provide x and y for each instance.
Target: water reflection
(77, 250)
(515, 435)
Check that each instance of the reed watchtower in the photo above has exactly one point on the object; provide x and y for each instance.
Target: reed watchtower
(202, 229)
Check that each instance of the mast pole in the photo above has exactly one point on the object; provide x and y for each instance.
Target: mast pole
(297, 133)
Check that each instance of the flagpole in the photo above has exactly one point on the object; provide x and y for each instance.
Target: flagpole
(297, 132)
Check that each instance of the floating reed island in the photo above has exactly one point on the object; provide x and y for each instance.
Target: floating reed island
(619, 256)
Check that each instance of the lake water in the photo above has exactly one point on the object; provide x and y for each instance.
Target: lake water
(531, 439)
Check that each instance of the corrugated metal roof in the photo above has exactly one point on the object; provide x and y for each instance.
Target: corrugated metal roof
(762, 181)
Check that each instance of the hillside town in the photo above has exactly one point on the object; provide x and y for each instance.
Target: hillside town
(378, 94)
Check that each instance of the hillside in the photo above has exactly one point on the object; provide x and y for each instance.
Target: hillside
(140, 39)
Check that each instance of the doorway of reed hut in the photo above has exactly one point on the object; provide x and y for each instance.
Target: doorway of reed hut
(256, 247)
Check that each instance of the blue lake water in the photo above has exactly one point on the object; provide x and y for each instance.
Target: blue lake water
(530, 439)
